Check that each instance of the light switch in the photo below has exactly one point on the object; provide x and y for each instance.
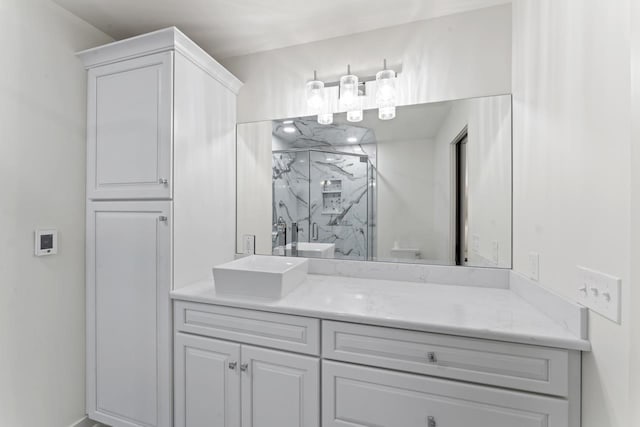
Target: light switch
(534, 266)
(599, 292)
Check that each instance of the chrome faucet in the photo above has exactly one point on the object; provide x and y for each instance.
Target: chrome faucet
(294, 239)
(280, 238)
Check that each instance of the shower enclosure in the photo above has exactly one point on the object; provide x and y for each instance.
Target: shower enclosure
(329, 195)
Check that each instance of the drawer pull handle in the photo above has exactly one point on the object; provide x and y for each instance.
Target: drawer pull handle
(163, 181)
(163, 218)
(431, 422)
(244, 367)
(431, 357)
(232, 365)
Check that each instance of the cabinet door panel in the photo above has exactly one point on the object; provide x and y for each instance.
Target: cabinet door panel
(128, 313)
(129, 129)
(207, 387)
(279, 389)
(360, 396)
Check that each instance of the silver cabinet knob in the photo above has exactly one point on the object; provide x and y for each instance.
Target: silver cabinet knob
(232, 365)
(244, 367)
(431, 357)
(163, 181)
(431, 422)
(163, 218)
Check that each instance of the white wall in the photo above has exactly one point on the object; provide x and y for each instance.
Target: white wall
(255, 192)
(452, 57)
(572, 172)
(489, 180)
(42, 168)
(488, 124)
(405, 196)
(634, 358)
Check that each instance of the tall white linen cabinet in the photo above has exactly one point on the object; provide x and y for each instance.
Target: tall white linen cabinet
(160, 210)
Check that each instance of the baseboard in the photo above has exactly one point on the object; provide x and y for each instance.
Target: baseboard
(86, 422)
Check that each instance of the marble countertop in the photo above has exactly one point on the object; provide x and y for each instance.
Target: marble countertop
(470, 311)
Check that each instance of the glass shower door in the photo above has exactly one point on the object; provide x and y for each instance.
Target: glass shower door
(338, 202)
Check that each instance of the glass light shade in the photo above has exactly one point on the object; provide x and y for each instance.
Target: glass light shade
(325, 118)
(348, 91)
(386, 94)
(315, 95)
(354, 116)
(387, 113)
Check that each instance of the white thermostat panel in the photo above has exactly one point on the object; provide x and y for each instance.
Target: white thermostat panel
(46, 242)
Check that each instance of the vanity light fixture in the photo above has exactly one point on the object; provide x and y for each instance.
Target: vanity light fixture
(289, 129)
(352, 139)
(386, 93)
(287, 122)
(352, 90)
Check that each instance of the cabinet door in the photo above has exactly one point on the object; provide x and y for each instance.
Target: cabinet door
(279, 389)
(129, 129)
(207, 382)
(354, 395)
(129, 313)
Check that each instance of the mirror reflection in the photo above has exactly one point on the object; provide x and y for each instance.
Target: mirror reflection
(431, 186)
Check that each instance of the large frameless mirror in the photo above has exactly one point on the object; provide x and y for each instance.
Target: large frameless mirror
(431, 186)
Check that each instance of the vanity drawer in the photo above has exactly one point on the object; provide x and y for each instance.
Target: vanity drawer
(517, 366)
(354, 396)
(279, 331)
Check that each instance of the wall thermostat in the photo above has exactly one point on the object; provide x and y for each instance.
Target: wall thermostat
(46, 242)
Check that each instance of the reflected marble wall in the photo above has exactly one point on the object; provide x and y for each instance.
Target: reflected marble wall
(326, 190)
(291, 191)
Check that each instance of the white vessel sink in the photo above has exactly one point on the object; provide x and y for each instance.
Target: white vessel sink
(312, 250)
(260, 276)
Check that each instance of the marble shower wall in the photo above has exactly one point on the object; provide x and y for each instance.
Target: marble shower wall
(343, 177)
(329, 190)
(291, 191)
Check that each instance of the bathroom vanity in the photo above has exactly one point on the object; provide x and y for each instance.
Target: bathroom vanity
(351, 343)
(441, 347)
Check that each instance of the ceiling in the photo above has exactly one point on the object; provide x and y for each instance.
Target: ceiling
(226, 28)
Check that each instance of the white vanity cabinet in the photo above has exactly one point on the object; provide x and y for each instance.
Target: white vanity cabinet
(237, 366)
(223, 383)
(160, 211)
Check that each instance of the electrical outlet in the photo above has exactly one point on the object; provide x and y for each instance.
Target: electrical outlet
(249, 244)
(495, 251)
(599, 292)
(534, 266)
